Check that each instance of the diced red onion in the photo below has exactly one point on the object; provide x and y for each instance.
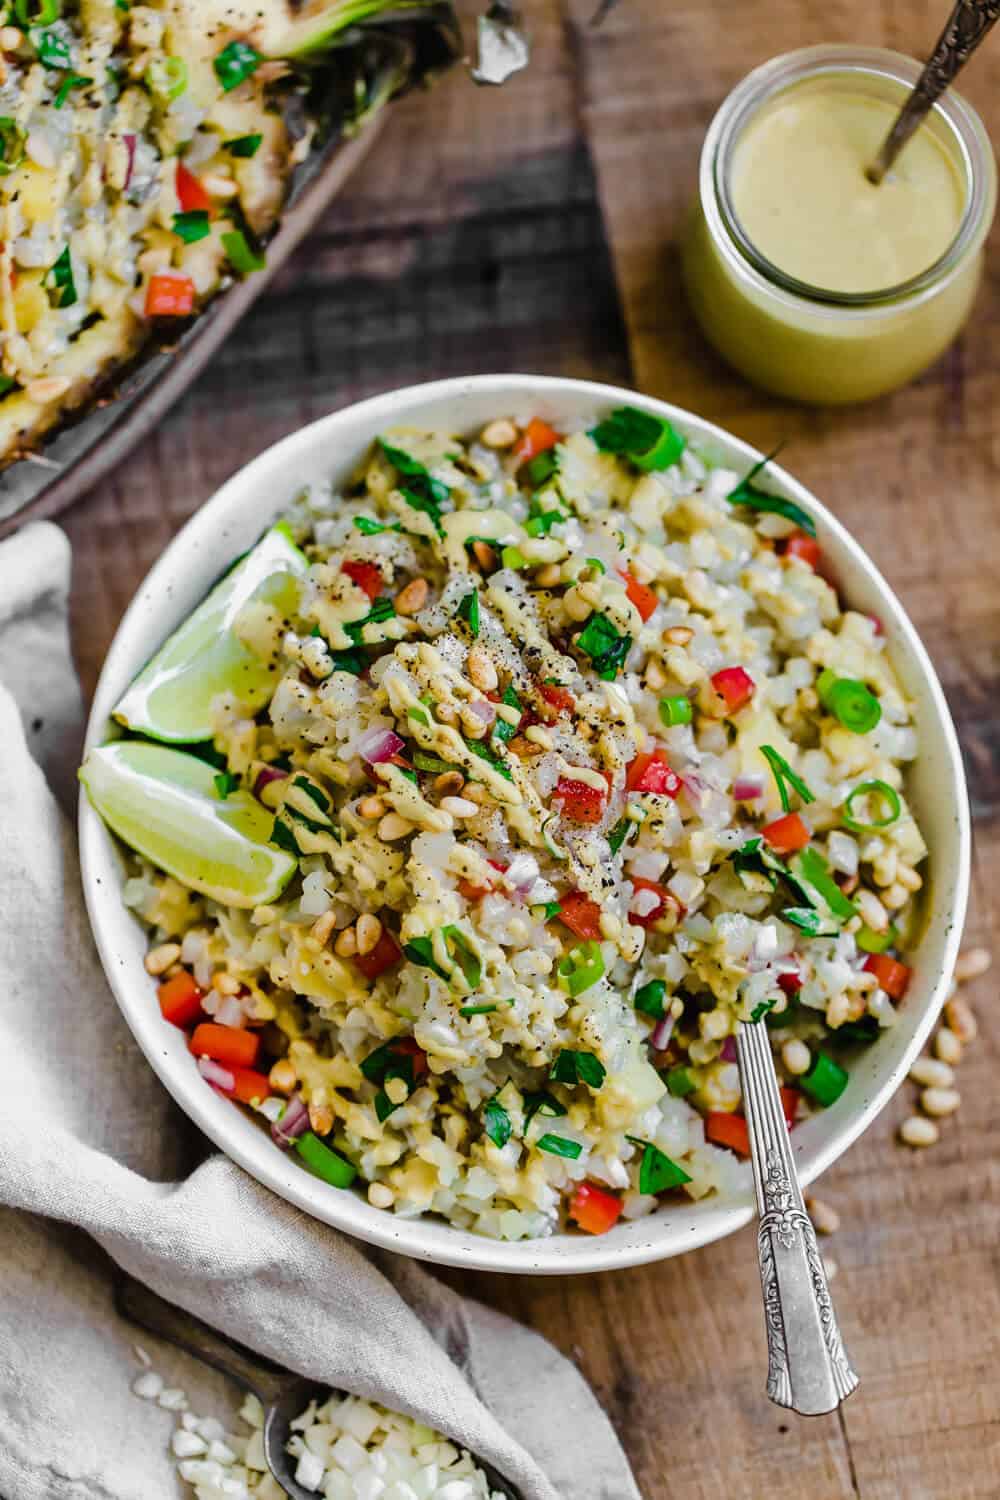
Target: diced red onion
(523, 871)
(265, 776)
(129, 141)
(728, 1053)
(379, 745)
(661, 1033)
(483, 709)
(231, 1013)
(293, 1123)
(219, 1078)
(748, 788)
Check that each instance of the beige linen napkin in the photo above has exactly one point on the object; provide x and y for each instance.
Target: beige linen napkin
(90, 1141)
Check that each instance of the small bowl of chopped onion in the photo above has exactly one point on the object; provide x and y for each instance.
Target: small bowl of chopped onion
(750, 840)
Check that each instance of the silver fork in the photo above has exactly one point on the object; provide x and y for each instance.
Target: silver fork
(807, 1365)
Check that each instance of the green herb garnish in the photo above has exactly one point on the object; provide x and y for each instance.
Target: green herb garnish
(496, 1122)
(192, 225)
(503, 731)
(647, 441)
(226, 782)
(244, 145)
(746, 493)
(810, 921)
(578, 1067)
(651, 999)
(283, 836)
(52, 48)
(70, 82)
(657, 1173)
(368, 527)
(469, 611)
(60, 279)
(241, 257)
(760, 1010)
(680, 1083)
(540, 1102)
(605, 646)
(12, 140)
(558, 1145)
(235, 63)
(785, 777)
(420, 490)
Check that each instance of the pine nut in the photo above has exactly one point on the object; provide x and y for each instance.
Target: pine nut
(796, 1057)
(932, 1073)
(907, 877)
(158, 960)
(474, 791)
(873, 913)
(499, 434)
(225, 984)
(825, 1218)
(656, 678)
(371, 808)
(446, 713)
(322, 929)
(218, 185)
(411, 599)
(369, 930)
(641, 571)
(959, 1015)
(320, 1119)
(459, 807)
(918, 1132)
(947, 1046)
(940, 1101)
(484, 555)
(549, 576)
(347, 943)
(283, 1076)
(576, 606)
(380, 1196)
(481, 670)
(520, 746)
(448, 784)
(394, 827)
(896, 897)
(10, 38)
(539, 736)
(678, 635)
(50, 388)
(972, 962)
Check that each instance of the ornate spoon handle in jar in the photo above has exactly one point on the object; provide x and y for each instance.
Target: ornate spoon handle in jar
(966, 26)
(807, 1367)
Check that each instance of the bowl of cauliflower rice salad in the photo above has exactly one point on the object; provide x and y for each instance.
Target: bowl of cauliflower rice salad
(462, 778)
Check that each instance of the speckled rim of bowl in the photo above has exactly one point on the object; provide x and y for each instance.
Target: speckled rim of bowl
(230, 522)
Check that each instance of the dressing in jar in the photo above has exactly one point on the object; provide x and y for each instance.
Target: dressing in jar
(812, 281)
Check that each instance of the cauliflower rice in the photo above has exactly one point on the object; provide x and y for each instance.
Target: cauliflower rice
(545, 867)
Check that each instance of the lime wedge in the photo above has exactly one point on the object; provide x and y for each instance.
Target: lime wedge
(171, 698)
(164, 804)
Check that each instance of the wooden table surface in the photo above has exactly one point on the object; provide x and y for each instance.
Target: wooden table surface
(536, 229)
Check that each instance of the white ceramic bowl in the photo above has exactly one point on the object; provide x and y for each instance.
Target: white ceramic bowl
(231, 522)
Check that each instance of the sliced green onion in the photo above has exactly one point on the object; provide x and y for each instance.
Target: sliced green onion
(582, 967)
(849, 701)
(70, 82)
(425, 762)
(167, 77)
(420, 951)
(875, 942)
(368, 527)
(811, 869)
(558, 1145)
(596, 564)
(417, 714)
(543, 523)
(192, 225)
(763, 1007)
(619, 834)
(329, 1165)
(42, 13)
(464, 954)
(657, 1173)
(496, 1122)
(578, 1067)
(649, 442)
(540, 1102)
(478, 748)
(486, 1009)
(226, 782)
(550, 910)
(542, 467)
(513, 557)
(60, 278)
(556, 850)
(241, 257)
(676, 710)
(283, 836)
(651, 998)
(244, 145)
(785, 777)
(825, 1081)
(810, 921)
(746, 493)
(877, 789)
(235, 63)
(12, 140)
(680, 1083)
(348, 661)
(384, 1106)
(469, 611)
(503, 731)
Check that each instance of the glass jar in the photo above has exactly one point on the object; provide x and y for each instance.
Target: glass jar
(803, 341)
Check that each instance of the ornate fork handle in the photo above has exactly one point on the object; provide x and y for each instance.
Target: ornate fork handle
(807, 1367)
(964, 30)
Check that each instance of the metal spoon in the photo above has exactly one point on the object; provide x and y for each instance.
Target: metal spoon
(807, 1366)
(965, 28)
(283, 1396)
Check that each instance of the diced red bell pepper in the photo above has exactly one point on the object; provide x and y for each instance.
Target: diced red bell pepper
(790, 1105)
(892, 976)
(723, 1129)
(409, 1046)
(249, 1085)
(651, 772)
(559, 698)
(537, 438)
(786, 834)
(666, 898)
(385, 953)
(473, 892)
(580, 915)
(595, 1210)
(801, 544)
(180, 999)
(169, 295)
(366, 575)
(580, 801)
(190, 193)
(644, 599)
(734, 686)
(790, 983)
(225, 1044)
